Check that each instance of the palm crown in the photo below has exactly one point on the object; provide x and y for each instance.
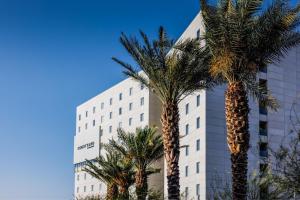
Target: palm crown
(144, 148)
(114, 170)
(242, 37)
(172, 71)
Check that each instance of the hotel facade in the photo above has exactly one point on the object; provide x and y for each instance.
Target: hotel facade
(204, 151)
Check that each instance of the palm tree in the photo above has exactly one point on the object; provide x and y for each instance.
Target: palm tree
(113, 170)
(144, 147)
(242, 37)
(171, 72)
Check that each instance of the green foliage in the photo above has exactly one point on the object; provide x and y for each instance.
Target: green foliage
(286, 167)
(113, 169)
(170, 71)
(242, 36)
(220, 187)
(143, 148)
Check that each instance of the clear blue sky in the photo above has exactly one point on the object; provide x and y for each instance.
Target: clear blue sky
(54, 55)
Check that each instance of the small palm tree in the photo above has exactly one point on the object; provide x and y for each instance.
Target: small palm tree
(113, 170)
(242, 37)
(171, 72)
(144, 147)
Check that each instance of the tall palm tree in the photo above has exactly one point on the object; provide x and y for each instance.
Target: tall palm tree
(171, 72)
(242, 37)
(144, 147)
(114, 170)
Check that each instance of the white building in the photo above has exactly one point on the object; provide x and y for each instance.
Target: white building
(202, 121)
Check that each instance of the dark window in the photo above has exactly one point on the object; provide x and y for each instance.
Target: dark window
(198, 34)
(263, 128)
(186, 129)
(198, 100)
(198, 145)
(198, 122)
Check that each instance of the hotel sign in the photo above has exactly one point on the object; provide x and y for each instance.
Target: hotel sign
(86, 146)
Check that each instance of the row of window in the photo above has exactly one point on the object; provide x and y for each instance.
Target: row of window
(186, 192)
(142, 100)
(110, 127)
(197, 169)
(187, 106)
(130, 106)
(187, 126)
(197, 147)
(91, 188)
(111, 101)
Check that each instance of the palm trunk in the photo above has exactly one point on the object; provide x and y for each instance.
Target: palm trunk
(112, 192)
(237, 110)
(141, 184)
(170, 130)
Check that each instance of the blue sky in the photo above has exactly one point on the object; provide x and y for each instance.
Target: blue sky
(54, 55)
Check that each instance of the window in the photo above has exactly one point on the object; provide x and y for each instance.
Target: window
(142, 101)
(130, 121)
(86, 113)
(186, 192)
(79, 117)
(120, 124)
(262, 107)
(110, 115)
(198, 34)
(130, 91)
(186, 171)
(198, 145)
(187, 109)
(263, 128)
(142, 117)
(84, 176)
(198, 122)
(102, 118)
(120, 111)
(198, 189)
(110, 129)
(142, 86)
(102, 106)
(110, 101)
(84, 189)
(187, 150)
(78, 129)
(198, 100)
(263, 149)
(86, 126)
(263, 68)
(77, 177)
(130, 106)
(197, 167)
(120, 96)
(186, 129)
(94, 109)
(77, 189)
(92, 188)
(94, 122)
